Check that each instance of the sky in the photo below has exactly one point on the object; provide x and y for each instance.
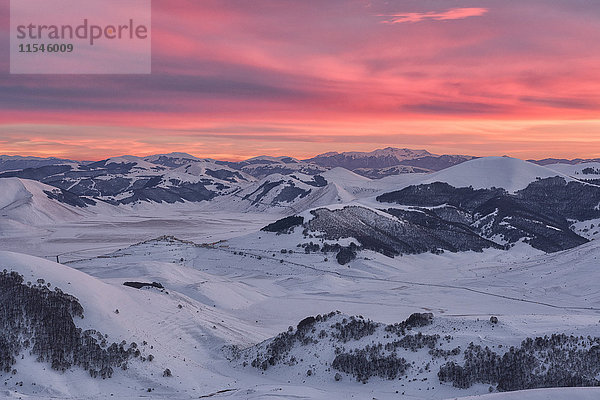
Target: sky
(233, 79)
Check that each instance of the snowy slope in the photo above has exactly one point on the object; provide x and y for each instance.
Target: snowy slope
(250, 280)
(542, 394)
(24, 201)
(508, 173)
(345, 177)
(178, 332)
(579, 171)
(351, 350)
(173, 160)
(13, 163)
(208, 169)
(139, 163)
(129, 179)
(263, 166)
(243, 286)
(279, 193)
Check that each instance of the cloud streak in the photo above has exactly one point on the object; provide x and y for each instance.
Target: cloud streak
(452, 14)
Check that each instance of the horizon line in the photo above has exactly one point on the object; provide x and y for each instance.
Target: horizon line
(240, 159)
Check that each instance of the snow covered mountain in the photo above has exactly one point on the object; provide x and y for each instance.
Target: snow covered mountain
(181, 177)
(505, 200)
(424, 349)
(70, 335)
(129, 179)
(378, 162)
(263, 166)
(380, 158)
(493, 202)
(33, 203)
(474, 279)
(588, 171)
(232, 317)
(172, 160)
(14, 163)
(378, 173)
(508, 173)
(291, 193)
(296, 192)
(575, 161)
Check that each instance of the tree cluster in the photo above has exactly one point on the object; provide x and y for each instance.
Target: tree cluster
(35, 318)
(370, 361)
(285, 225)
(278, 349)
(354, 328)
(414, 342)
(415, 320)
(550, 361)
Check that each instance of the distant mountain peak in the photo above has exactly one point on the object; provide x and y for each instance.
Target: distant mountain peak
(282, 159)
(124, 160)
(174, 154)
(399, 153)
(386, 157)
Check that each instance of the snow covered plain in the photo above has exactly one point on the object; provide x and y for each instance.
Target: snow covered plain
(228, 284)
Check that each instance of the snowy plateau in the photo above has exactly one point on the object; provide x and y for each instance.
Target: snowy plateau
(394, 274)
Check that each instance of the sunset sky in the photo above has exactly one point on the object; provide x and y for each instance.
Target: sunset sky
(233, 79)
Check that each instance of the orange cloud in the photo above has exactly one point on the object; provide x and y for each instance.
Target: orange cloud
(452, 14)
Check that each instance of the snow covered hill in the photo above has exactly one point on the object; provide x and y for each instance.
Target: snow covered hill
(508, 202)
(296, 192)
(181, 177)
(378, 173)
(209, 169)
(263, 166)
(285, 193)
(172, 160)
(505, 200)
(153, 331)
(15, 163)
(249, 278)
(28, 202)
(129, 179)
(589, 171)
(427, 352)
(508, 173)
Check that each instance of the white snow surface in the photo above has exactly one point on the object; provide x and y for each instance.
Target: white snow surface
(236, 287)
(508, 173)
(243, 290)
(576, 170)
(542, 394)
(24, 201)
(200, 168)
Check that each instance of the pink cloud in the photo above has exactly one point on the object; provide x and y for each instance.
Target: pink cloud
(452, 14)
